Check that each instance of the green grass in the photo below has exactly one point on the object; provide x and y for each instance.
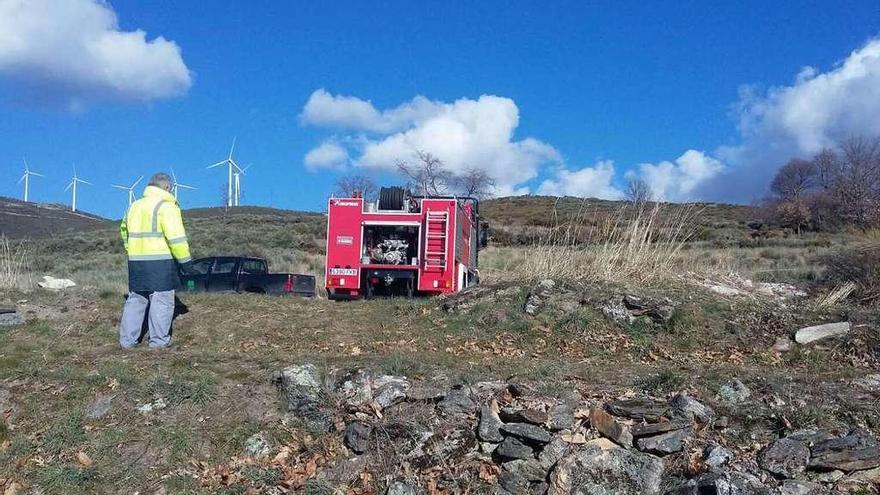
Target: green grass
(663, 382)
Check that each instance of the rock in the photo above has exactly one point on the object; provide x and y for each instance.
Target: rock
(783, 344)
(560, 417)
(553, 452)
(488, 448)
(354, 387)
(489, 428)
(357, 437)
(389, 390)
(400, 488)
(303, 396)
(605, 424)
(639, 431)
(529, 469)
(156, 405)
(861, 480)
(810, 437)
(9, 319)
(513, 483)
(50, 282)
(513, 448)
(665, 443)
(99, 407)
(797, 487)
(527, 432)
(520, 389)
(726, 483)
(257, 445)
(816, 333)
(538, 296)
(828, 476)
(531, 416)
(684, 406)
(594, 471)
(716, 457)
(785, 458)
(735, 392)
(458, 401)
(856, 451)
(430, 390)
(640, 409)
(539, 488)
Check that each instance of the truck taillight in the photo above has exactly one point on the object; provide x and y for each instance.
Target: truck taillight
(288, 285)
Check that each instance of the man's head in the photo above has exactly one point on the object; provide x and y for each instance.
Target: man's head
(162, 181)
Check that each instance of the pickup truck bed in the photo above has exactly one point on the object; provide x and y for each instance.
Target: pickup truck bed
(242, 274)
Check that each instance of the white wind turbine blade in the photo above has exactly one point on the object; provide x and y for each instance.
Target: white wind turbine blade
(85, 181)
(69, 186)
(184, 186)
(137, 182)
(223, 162)
(233, 147)
(35, 174)
(23, 177)
(117, 186)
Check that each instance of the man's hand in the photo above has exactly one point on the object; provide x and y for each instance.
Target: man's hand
(186, 268)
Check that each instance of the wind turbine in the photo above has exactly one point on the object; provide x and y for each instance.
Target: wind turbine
(177, 185)
(72, 185)
(231, 167)
(237, 184)
(26, 178)
(130, 189)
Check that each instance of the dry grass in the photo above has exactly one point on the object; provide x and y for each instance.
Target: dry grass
(14, 266)
(626, 246)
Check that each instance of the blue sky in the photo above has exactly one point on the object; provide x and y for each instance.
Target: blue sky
(601, 90)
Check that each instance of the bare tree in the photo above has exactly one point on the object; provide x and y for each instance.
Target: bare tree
(638, 191)
(827, 164)
(475, 183)
(795, 179)
(351, 186)
(427, 175)
(856, 187)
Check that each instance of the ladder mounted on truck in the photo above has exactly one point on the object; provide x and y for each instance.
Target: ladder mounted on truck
(436, 240)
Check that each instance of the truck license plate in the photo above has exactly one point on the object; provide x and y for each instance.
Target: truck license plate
(348, 272)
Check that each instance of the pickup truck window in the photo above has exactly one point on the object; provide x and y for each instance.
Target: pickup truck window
(201, 267)
(253, 267)
(223, 267)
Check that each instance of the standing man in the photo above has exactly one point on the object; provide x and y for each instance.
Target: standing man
(155, 240)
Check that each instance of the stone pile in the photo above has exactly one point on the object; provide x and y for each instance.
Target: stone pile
(561, 445)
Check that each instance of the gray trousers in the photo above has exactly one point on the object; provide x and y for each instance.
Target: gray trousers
(161, 309)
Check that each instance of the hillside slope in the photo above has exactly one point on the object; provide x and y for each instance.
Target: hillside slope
(34, 220)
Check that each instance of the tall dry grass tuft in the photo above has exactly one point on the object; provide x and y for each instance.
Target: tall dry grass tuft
(640, 242)
(13, 264)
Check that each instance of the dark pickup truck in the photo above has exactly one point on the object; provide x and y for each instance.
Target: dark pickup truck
(240, 274)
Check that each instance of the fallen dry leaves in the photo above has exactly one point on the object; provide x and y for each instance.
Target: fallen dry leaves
(83, 459)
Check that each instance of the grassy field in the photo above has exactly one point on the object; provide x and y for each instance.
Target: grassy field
(216, 379)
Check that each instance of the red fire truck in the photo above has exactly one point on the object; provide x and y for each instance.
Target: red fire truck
(402, 245)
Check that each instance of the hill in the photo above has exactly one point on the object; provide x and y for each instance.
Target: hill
(34, 220)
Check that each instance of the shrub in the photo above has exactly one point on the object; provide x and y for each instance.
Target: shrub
(859, 265)
(13, 264)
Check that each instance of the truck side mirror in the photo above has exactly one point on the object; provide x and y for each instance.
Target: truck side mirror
(484, 234)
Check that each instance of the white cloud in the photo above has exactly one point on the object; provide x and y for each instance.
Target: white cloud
(72, 52)
(464, 134)
(349, 112)
(589, 182)
(328, 154)
(679, 180)
(819, 109)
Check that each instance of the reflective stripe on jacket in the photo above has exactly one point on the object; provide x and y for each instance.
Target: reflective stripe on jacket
(155, 240)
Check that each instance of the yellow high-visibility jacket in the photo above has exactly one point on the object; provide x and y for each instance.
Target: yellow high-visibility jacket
(155, 239)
